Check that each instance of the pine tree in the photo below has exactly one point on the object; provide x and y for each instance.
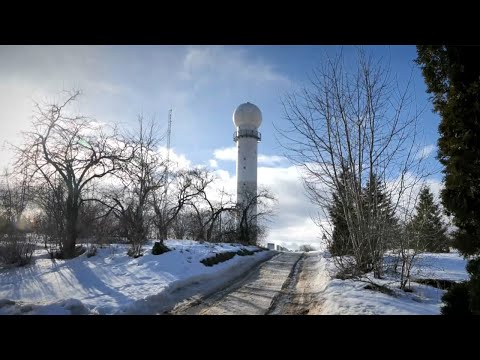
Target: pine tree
(377, 212)
(340, 243)
(452, 75)
(379, 217)
(428, 225)
(378, 203)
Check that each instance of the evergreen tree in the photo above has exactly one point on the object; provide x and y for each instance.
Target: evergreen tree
(340, 243)
(427, 224)
(378, 203)
(377, 212)
(452, 75)
(379, 219)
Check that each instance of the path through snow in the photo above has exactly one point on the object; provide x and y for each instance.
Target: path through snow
(251, 296)
(302, 295)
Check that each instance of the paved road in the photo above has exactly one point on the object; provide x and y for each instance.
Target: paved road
(287, 284)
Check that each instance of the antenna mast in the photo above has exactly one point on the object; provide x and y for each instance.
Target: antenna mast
(169, 132)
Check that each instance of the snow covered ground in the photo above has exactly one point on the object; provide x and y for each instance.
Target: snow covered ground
(349, 297)
(113, 283)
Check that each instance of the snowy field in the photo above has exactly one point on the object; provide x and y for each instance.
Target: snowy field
(113, 283)
(348, 297)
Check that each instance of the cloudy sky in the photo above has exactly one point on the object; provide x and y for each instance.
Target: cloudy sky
(203, 85)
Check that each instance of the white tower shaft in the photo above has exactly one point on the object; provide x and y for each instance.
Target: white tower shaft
(247, 119)
(246, 169)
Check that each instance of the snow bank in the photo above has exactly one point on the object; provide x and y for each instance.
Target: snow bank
(113, 283)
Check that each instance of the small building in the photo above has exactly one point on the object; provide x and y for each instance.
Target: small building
(271, 246)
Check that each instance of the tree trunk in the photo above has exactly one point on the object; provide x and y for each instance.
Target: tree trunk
(212, 224)
(162, 233)
(70, 240)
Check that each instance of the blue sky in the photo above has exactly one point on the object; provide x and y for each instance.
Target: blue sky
(203, 85)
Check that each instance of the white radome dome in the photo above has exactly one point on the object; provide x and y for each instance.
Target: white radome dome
(247, 116)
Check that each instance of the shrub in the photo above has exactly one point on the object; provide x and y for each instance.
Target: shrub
(224, 256)
(159, 248)
(456, 300)
(381, 288)
(135, 252)
(473, 268)
(79, 250)
(16, 250)
(437, 283)
(244, 252)
(92, 251)
(218, 258)
(306, 248)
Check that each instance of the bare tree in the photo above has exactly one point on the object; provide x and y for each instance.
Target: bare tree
(409, 247)
(209, 212)
(226, 206)
(14, 197)
(76, 149)
(347, 129)
(139, 178)
(183, 187)
(414, 238)
(306, 248)
(15, 245)
(252, 214)
(183, 226)
(50, 222)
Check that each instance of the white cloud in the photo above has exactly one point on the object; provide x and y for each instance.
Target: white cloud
(426, 151)
(224, 183)
(213, 163)
(230, 154)
(294, 210)
(201, 62)
(226, 154)
(270, 159)
(295, 235)
(179, 161)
